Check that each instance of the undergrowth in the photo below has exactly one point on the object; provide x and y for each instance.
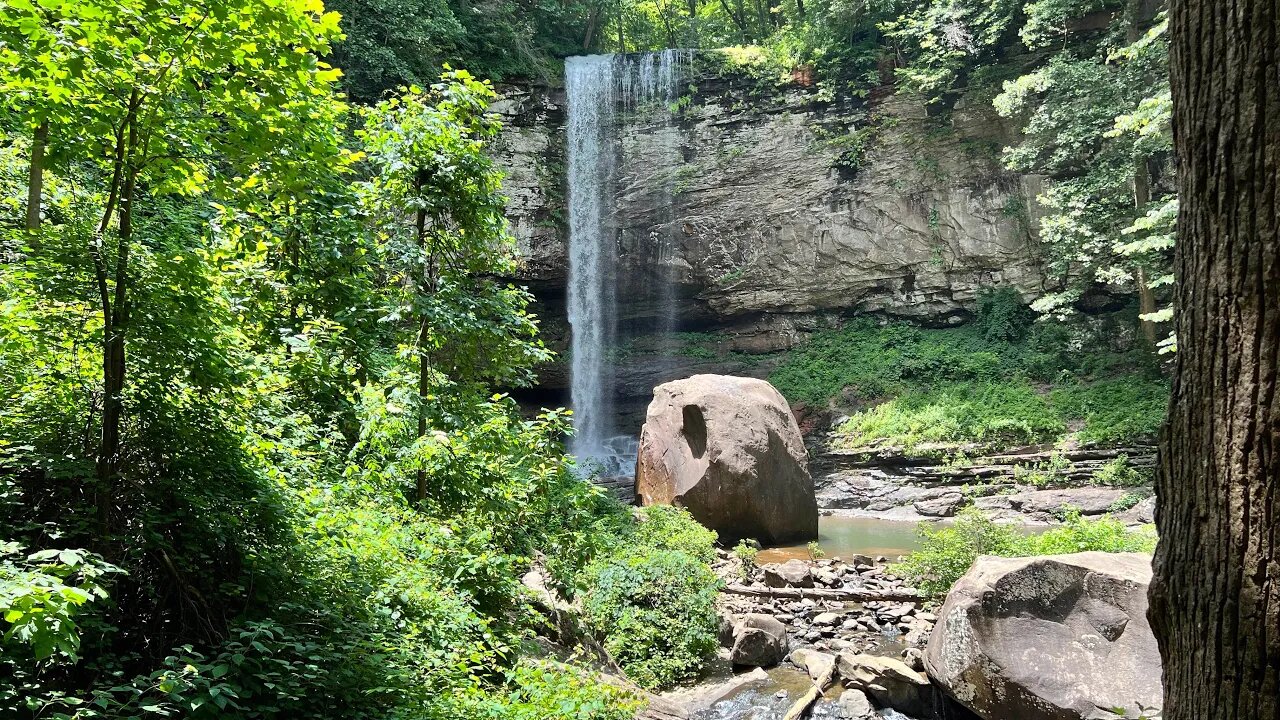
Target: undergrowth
(946, 553)
(1001, 378)
(653, 598)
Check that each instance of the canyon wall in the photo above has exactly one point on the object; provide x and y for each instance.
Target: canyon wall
(785, 211)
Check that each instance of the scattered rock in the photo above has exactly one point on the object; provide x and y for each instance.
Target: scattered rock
(854, 705)
(725, 631)
(1049, 638)
(826, 619)
(728, 449)
(759, 640)
(943, 506)
(792, 573)
(914, 658)
(1048, 503)
(1144, 513)
(891, 682)
(813, 662)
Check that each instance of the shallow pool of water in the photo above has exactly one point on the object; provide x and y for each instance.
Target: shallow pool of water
(843, 536)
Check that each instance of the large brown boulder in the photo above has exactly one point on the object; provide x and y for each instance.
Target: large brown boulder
(1061, 637)
(728, 449)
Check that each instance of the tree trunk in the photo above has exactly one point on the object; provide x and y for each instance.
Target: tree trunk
(589, 36)
(622, 36)
(1215, 597)
(424, 363)
(115, 328)
(1141, 191)
(35, 176)
(1146, 297)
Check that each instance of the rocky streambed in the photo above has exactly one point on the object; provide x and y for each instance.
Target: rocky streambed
(1027, 485)
(1059, 637)
(846, 617)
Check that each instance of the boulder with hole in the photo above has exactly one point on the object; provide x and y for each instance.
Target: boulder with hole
(728, 449)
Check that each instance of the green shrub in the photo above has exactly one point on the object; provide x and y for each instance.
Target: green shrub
(1002, 316)
(1128, 500)
(947, 553)
(666, 527)
(746, 555)
(1079, 534)
(1116, 410)
(815, 551)
(539, 689)
(1119, 473)
(656, 611)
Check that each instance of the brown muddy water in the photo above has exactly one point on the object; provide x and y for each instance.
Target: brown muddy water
(843, 536)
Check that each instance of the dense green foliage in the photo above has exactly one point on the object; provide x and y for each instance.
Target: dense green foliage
(251, 462)
(653, 598)
(1001, 378)
(947, 552)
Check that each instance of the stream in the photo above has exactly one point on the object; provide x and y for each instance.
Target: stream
(770, 696)
(844, 536)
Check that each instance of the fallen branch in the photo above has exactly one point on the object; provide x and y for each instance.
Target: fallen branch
(801, 706)
(902, 595)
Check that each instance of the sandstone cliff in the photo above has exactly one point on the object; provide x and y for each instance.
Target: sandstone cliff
(772, 210)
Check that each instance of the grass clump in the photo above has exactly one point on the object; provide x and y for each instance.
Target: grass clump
(948, 552)
(1118, 472)
(653, 599)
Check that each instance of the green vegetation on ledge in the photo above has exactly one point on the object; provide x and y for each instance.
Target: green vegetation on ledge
(1002, 378)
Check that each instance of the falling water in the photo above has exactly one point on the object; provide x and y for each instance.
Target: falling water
(598, 87)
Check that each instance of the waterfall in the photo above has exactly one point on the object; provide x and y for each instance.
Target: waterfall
(600, 88)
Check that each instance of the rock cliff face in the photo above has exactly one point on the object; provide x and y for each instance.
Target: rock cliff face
(783, 211)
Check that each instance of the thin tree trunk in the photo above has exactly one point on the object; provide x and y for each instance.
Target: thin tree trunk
(35, 176)
(1146, 297)
(113, 351)
(1215, 597)
(592, 18)
(622, 37)
(1141, 191)
(424, 364)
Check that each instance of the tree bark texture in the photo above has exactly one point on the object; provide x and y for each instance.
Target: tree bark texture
(1215, 598)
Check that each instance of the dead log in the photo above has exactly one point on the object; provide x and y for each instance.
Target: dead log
(801, 706)
(900, 595)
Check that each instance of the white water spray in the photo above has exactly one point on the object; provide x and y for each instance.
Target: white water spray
(597, 88)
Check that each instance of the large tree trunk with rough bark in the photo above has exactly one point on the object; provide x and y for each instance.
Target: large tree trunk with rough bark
(1215, 599)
